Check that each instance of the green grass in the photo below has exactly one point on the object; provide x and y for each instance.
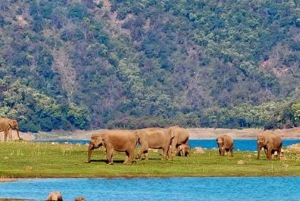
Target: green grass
(23, 159)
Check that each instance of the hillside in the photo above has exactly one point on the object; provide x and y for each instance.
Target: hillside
(90, 64)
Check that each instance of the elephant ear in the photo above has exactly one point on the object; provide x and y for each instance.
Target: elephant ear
(172, 133)
(100, 140)
(220, 139)
(13, 123)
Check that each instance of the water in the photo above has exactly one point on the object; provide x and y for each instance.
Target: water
(179, 189)
(239, 144)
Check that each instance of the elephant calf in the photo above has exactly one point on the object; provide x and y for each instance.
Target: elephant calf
(114, 140)
(225, 144)
(181, 136)
(183, 150)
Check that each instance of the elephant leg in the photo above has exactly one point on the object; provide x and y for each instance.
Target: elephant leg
(130, 156)
(126, 158)
(10, 134)
(170, 154)
(279, 153)
(258, 151)
(266, 151)
(164, 152)
(146, 154)
(109, 156)
(231, 152)
(5, 134)
(143, 150)
(269, 153)
(223, 151)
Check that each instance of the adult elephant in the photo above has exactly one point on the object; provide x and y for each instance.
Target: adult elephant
(271, 142)
(7, 125)
(183, 150)
(155, 138)
(114, 140)
(181, 136)
(225, 144)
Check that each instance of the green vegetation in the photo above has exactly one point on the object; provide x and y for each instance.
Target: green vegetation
(126, 63)
(28, 159)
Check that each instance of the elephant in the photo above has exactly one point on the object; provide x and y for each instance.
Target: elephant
(271, 142)
(7, 125)
(183, 150)
(155, 138)
(54, 196)
(114, 140)
(181, 136)
(225, 144)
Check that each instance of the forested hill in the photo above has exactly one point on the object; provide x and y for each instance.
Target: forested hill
(86, 64)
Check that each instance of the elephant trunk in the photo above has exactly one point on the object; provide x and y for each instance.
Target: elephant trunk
(90, 149)
(258, 151)
(17, 129)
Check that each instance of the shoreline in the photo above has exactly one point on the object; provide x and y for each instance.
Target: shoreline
(195, 133)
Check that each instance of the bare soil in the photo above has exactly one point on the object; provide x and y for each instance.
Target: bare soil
(195, 133)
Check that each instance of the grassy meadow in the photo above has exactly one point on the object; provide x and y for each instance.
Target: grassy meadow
(25, 159)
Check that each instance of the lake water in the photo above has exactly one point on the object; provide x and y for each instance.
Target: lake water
(179, 189)
(239, 144)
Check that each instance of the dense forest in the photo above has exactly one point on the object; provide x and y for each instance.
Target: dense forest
(88, 64)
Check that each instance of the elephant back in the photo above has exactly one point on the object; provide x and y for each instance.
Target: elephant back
(181, 135)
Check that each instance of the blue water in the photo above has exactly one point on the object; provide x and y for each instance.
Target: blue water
(239, 144)
(179, 189)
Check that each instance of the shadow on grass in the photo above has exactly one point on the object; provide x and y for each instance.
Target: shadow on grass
(105, 161)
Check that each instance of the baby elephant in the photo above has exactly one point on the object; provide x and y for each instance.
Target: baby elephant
(225, 143)
(54, 196)
(183, 150)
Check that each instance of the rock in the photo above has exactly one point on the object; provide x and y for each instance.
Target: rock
(54, 196)
(199, 150)
(240, 162)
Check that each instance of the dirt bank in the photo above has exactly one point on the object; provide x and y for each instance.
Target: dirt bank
(195, 133)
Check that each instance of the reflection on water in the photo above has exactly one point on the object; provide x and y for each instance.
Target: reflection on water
(179, 189)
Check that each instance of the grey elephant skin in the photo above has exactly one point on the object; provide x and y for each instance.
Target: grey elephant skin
(225, 144)
(114, 140)
(155, 138)
(183, 150)
(7, 125)
(181, 136)
(271, 142)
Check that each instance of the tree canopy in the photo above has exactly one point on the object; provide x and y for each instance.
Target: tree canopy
(124, 63)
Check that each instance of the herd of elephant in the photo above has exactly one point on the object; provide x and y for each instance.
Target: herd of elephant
(172, 141)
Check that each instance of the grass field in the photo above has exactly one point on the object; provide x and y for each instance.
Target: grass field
(23, 159)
